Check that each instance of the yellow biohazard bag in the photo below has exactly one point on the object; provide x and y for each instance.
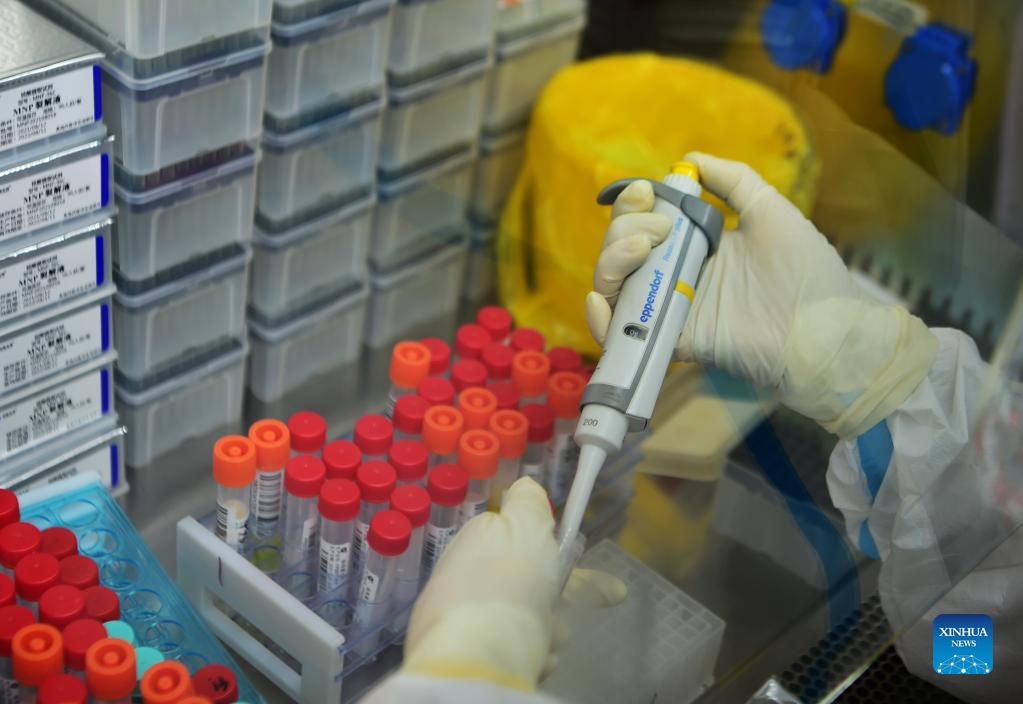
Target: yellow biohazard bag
(613, 117)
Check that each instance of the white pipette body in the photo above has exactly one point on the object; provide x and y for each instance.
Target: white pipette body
(647, 321)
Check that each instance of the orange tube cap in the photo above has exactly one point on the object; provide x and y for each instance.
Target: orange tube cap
(530, 370)
(410, 364)
(442, 426)
(273, 443)
(167, 682)
(234, 461)
(478, 452)
(38, 654)
(110, 669)
(477, 405)
(565, 392)
(512, 431)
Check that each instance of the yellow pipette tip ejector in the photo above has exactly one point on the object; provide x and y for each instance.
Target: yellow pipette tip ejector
(686, 168)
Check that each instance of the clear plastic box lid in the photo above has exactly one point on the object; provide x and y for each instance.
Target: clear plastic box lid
(309, 228)
(324, 129)
(490, 143)
(31, 45)
(542, 35)
(331, 22)
(141, 397)
(383, 280)
(392, 188)
(187, 186)
(193, 280)
(315, 315)
(399, 95)
(516, 18)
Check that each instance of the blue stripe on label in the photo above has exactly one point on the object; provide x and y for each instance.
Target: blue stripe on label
(876, 450)
(100, 262)
(867, 545)
(104, 180)
(97, 94)
(115, 465)
(104, 389)
(833, 553)
(104, 326)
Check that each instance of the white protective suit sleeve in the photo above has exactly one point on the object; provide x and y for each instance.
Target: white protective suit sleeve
(914, 493)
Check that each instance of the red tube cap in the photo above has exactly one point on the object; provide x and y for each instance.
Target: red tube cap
(63, 689)
(102, 604)
(409, 459)
(339, 500)
(8, 596)
(448, 484)
(78, 637)
(409, 412)
(12, 620)
(564, 359)
(437, 391)
(470, 339)
(308, 432)
(35, 574)
(467, 373)
(304, 475)
(389, 533)
(440, 354)
(217, 683)
(16, 541)
(9, 508)
(59, 542)
(498, 360)
(413, 501)
(79, 571)
(61, 605)
(342, 459)
(376, 481)
(528, 339)
(495, 320)
(541, 422)
(507, 395)
(374, 434)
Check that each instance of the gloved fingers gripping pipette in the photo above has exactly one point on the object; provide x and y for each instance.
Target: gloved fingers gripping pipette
(650, 312)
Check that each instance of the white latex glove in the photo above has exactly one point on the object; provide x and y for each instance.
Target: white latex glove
(487, 612)
(775, 305)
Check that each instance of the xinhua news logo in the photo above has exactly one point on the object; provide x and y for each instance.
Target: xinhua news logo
(963, 644)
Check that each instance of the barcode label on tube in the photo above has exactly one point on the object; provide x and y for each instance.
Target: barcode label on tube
(369, 587)
(55, 411)
(52, 276)
(359, 544)
(472, 508)
(48, 107)
(266, 498)
(335, 559)
(231, 519)
(51, 196)
(309, 533)
(60, 345)
(435, 543)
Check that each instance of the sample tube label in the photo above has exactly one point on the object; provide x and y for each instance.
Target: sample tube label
(564, 459)
(55, 195)
(232, 517)
(52, 412)
(48, 107)
(472, 508)
(64, 343)
(266, 496)
(369, 587)
(359, 546)
(52, 276)
(335, 560)
(533, 470)
(435, 543)
(309, 533)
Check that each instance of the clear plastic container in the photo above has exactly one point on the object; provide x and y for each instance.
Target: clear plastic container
(419, 213)
(496, 171)
(304, 84)
(136, 34)
(286, 357)
(193, 404)
(312, 171)
(481, 267)
(47, 270)
(96, 448)
(187, 322)
(522, 69)
(431, 120)
(518, 17)
(429, 37)
(411, 298)
(167, 232)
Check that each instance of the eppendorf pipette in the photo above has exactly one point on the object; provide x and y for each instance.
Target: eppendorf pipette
(648, 319)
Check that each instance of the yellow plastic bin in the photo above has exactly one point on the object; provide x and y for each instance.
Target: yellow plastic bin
(619, 116)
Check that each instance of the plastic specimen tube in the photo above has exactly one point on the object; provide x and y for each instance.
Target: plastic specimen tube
(342, 459)
(470, 339)
(339, 507)
(408, 417)
(564, 393)
(530, 371)
(217, 683)
(59, 542)
(374, 435)
(33, 576)
(497, 358)
(477, 405)
(17, 540)
(37, 653)
(564, 359)
(478, 454)
(410, 364)
(447, 485)
(437, 391)
(409, 458)
(440, 355)
(512, 431)
(303, 478)
(78, 638)
(273, 449)
(468, 373)
(387, 540)
(413, 502)
(541, 430)
(60, 605)
(506, 393)
(376, 481)
(110, 670)
(308, 432)
(234, 469)
(167, 682)
(63, 689)
(527, 339)
(442, 426)
(12, 620)
(497, 321)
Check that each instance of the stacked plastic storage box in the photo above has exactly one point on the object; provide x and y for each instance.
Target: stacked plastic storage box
(56, 354)
(182, 87)
(533, 39)
(439, 53)
(314, 206)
